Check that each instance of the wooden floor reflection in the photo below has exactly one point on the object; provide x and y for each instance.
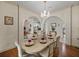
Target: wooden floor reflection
(66, 51)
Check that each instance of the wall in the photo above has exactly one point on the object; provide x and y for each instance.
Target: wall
(8, 33)
(75, 26)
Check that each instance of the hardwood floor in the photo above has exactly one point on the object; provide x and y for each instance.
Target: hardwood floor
(9, 53)
(66, 51)
(63, 51)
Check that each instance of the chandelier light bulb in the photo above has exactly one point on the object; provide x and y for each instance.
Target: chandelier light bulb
(44, 12)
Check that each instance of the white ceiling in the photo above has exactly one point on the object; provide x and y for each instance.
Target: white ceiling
(38, 6)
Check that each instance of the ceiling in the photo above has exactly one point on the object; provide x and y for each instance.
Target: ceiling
(38, 6)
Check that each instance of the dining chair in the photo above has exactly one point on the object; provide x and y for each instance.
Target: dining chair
(51, 50)
(57, 42)
(21, 52)
(53, 46)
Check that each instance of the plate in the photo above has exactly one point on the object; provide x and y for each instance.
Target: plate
(29, 44)
(43, 41)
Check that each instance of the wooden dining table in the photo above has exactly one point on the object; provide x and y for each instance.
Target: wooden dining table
(37, 47)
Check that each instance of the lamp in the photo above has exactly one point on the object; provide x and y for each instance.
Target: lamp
(45, 13)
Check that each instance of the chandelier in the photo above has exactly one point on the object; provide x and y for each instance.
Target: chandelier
(45, 13)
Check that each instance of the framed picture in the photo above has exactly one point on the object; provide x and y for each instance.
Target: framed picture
(8, 20)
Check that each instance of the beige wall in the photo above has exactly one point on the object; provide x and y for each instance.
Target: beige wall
(75, 26)
(8, 33)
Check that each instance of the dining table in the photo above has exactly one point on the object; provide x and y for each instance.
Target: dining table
(37, 47)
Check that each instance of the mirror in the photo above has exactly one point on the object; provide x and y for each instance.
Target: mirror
(53, 23)
(32, 25)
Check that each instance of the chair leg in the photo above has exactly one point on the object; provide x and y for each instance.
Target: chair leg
(49, 52)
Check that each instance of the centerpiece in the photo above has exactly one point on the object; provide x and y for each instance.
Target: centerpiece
(34, 36)
(43, 38)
